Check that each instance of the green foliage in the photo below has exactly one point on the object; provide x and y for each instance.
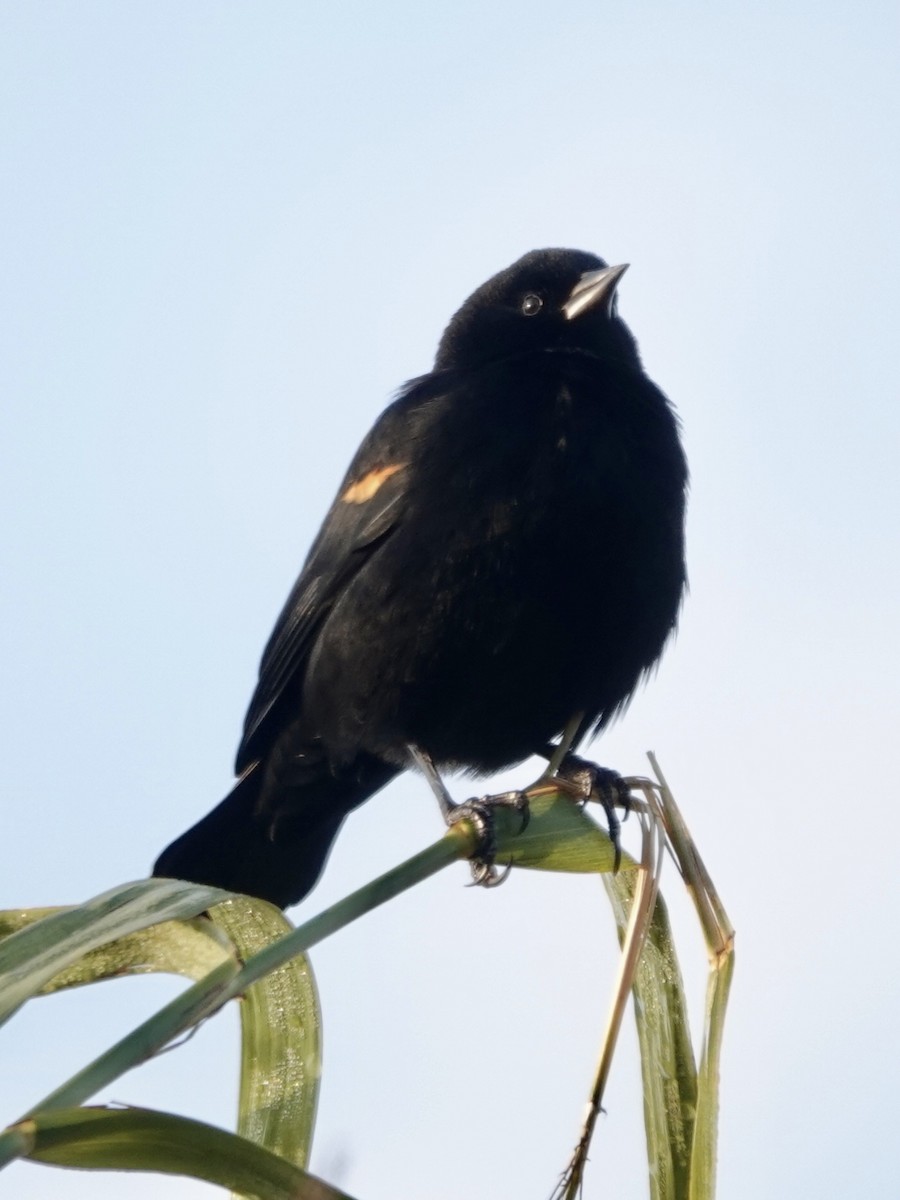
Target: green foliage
(234, 947)
(137, 1139)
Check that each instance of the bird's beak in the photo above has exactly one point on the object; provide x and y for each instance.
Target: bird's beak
(593, 288)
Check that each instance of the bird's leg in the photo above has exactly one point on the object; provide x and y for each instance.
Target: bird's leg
(480, 812)
(425, 763)
(594, 782)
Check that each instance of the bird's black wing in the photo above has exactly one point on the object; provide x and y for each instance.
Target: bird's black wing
(368, 507)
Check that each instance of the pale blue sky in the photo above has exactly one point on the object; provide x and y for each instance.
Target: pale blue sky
(199, 201)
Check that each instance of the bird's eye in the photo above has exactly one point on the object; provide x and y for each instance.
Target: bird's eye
(532, 305)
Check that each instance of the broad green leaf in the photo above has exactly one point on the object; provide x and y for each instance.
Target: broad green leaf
(559, 836)
(280, 1020)
(134, 1139)
(31, 957)
(190, 948)
(667, 1061)
(280, 1036)
(226, 981)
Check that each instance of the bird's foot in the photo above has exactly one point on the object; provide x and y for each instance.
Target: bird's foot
(604, 785)
(481, 813)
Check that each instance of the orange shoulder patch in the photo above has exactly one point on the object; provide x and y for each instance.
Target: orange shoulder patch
(364, 489)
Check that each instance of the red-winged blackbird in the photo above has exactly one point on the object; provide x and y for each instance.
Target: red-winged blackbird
(505, 553)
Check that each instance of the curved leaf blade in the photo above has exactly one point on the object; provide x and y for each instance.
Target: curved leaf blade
(280, 1036)
(31, 957)
(190, 948)
(136, 1139)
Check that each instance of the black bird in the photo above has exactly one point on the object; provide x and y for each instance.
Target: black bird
(505, 554)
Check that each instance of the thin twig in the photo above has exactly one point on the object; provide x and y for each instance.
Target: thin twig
(640, 913)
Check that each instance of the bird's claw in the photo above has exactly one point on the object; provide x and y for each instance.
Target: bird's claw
(481, 814)
(485, 874)
(605, 786)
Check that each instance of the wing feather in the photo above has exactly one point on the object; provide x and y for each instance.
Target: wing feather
(368, 508)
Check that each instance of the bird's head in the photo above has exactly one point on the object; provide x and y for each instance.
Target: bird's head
(547, 300)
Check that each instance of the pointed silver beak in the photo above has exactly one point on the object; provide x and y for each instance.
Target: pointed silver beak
(593, 288)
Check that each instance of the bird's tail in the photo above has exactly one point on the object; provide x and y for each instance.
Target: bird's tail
(240, 848)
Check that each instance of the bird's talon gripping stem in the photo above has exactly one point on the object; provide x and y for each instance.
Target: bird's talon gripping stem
(481, 813)
(605, 786)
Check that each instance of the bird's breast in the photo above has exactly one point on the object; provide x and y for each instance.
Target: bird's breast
(532, 532)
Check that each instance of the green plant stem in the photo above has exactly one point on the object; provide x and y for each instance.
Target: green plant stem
(228, 981)
(718, 933)
(703, 1156)
(458, 842)
(14, 1143)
